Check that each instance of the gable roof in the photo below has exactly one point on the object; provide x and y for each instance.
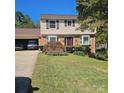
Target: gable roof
(27, 33)
(57, 16)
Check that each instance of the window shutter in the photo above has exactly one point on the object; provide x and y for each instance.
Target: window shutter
(47, 24)
(57, 24)
(65, 23)
(81, 40)
(73, 23)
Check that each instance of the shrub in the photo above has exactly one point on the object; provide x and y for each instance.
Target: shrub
(53, 46)
(80, 53)
(41, 48)
(101, 54)
(72, 49)
(78, 48)
(57, 53)
(91, 55)
(85, 49)
(69, 49)
(102, 50)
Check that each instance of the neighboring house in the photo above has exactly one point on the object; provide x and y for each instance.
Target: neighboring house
(64, 28)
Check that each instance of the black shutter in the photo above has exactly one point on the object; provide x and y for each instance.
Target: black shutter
(47, 24)
(73, 23)
(57, 24)
(65, 23)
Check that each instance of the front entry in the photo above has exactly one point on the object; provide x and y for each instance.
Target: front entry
(69, 41)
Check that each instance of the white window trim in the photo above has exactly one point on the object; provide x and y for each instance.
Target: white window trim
(70, 21)
(50, 37)
(52, 24)
(88, 39)
(49, 23)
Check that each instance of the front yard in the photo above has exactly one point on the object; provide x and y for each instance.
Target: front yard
(70, 74)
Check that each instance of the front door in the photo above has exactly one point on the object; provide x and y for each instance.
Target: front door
(69, 41)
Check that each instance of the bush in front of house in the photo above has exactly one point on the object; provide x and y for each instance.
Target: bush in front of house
(91, 55)
(69, 49)
(101, 54)
(41, 48)
(57, 53)
(79, 53)
(78, 48)
(53, 46)
(85, 49)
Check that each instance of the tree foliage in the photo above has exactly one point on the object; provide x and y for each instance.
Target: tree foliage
(19, 17)
(93, 14)
(23, 21)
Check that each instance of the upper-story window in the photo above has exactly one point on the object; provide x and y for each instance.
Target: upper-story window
(69, 23)
(52, 24)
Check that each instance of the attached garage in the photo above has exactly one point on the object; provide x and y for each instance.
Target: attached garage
(24, 35)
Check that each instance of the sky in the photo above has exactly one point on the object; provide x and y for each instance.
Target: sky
(35, 8)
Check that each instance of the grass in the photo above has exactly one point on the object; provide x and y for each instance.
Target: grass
(70, 74)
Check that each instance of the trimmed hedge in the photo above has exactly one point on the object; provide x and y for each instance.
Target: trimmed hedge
(57, 53)
(79, 53)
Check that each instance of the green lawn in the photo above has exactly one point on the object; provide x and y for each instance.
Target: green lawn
(70, 74)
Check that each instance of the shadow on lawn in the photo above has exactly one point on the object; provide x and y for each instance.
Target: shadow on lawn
(23, 85)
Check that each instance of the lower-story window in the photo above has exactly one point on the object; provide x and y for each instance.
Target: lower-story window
(52, 38)
(85, 39)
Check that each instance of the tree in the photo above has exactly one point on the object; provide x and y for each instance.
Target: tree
(23, 21)
(93, 14)
(19, 18)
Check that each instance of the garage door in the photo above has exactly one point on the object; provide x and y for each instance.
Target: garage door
(24, 42)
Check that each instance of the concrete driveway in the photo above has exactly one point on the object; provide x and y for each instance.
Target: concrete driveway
(25, 63)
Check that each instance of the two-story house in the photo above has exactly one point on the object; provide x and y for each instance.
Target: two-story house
(64, 28)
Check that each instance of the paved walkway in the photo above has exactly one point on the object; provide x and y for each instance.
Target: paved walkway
(25, 62)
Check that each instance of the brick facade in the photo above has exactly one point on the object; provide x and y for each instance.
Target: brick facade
(92, 44)
(76, 41)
